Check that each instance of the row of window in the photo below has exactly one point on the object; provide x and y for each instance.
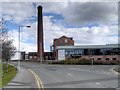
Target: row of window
(109, 51)
(31, 57)
(73, 52)
(107, 58)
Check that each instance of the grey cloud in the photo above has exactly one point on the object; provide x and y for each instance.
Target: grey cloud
(17, 11)
(91, 12)
(75, 13)
(81, 13)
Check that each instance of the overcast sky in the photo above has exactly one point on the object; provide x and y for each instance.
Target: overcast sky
(87, 22)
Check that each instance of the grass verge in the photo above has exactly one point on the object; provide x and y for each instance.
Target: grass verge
(7, 76)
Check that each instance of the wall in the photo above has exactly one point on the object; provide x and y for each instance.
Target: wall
(62, 41)
(103, 57)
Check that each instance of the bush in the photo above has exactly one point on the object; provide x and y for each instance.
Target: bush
(72, 62)
(84, 62)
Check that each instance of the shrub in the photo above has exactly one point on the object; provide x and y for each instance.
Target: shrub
(83, 61)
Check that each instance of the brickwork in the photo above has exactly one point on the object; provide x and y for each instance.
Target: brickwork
(62, 41)
(102, 57)
(40, 42)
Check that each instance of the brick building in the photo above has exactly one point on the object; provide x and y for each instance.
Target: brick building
(62, 41)
(32, 56)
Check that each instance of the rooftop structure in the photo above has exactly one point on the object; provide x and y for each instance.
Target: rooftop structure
(89, 46)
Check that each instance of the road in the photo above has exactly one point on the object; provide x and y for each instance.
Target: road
(73, 76)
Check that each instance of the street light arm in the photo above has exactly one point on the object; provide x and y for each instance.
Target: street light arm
(19, 44)
(28, 26)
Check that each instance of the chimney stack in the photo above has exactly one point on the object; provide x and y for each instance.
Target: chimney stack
(40, 42)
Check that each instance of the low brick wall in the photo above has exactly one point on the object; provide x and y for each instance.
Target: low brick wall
(102, 57)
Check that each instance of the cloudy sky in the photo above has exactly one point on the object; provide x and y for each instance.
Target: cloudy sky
(87, 22)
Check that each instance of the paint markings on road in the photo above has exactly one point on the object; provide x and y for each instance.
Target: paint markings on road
(38, 80)
(98, 83)
(106, 72)
(69, 74)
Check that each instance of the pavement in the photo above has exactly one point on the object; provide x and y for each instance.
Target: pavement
(42, 76)
(23, 80)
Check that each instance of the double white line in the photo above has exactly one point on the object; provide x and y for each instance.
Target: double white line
(38, 80)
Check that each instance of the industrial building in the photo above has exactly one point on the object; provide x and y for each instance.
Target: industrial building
(96, 52)
(52, 55)
(63, 48)
(62, 41)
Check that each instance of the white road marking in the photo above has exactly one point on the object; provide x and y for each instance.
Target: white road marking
(106, 72)
(98, 83)
(69, 74)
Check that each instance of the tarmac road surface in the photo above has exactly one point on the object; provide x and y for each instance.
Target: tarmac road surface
(72, 76)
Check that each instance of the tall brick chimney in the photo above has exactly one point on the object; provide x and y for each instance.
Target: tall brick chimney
(40, 42)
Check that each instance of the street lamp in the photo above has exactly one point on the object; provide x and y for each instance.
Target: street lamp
(19, 44)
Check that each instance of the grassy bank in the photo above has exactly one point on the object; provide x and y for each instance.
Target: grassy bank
(7, 76)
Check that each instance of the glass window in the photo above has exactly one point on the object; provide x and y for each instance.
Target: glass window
(66, 52)
(114, 58)
(106, 58)
(30, 57)
(98, 58)
(65, 40)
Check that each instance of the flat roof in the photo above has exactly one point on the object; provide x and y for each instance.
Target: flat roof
(89, 46)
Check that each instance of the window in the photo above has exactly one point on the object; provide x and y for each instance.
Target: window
(106, 58)
(66, 52)
(35, 57)
(98, 58)
(65, 40)
(114, 58)
(30, 57)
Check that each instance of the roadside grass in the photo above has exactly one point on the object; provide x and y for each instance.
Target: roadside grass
(8, 76)
(0, 75)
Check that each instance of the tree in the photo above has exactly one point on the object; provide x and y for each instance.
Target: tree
(8, 50)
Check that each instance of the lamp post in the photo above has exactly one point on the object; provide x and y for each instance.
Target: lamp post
(91, 57)
(92, 61)
(19, 45)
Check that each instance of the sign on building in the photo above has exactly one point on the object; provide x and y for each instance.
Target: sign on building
(61, 54)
